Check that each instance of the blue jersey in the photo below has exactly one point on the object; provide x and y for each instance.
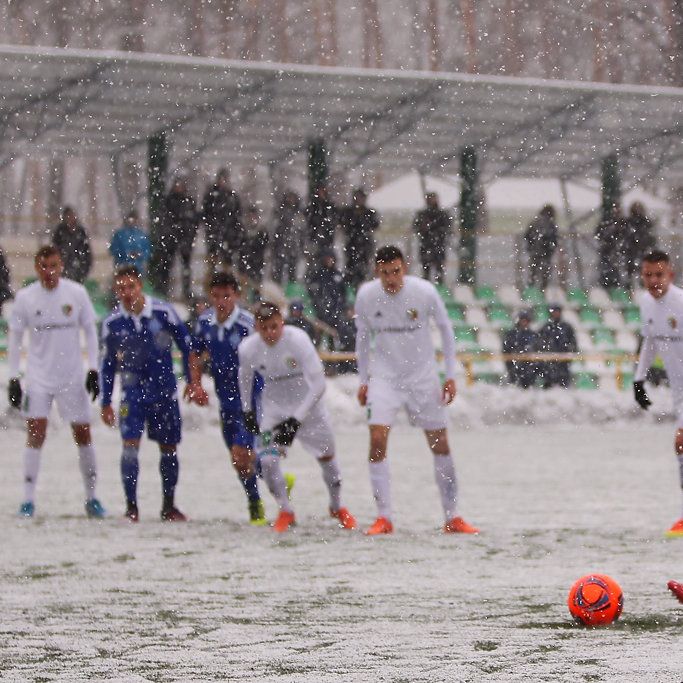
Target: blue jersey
(221, 342)
(139, 349)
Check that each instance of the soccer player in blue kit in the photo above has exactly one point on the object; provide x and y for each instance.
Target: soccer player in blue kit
(218, 333)
(137, 338)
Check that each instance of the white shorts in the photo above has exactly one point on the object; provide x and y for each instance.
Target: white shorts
(421, 400)
(72, 402)
(315, 433)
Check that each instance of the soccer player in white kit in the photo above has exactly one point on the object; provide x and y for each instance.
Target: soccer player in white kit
(54, 310)
(397, 368)
(291, 406)
(661, 315)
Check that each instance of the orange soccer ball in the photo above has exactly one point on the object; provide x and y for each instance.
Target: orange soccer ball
(595, 600)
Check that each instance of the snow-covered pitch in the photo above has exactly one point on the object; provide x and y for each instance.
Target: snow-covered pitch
(562, 483)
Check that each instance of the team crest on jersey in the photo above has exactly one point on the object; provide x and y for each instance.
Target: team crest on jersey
(123, 410)
(291, 362)
(673, 323)
(412, 313)
(67, 309)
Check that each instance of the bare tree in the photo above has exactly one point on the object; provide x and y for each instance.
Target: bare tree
(432, 21)
(469, 19)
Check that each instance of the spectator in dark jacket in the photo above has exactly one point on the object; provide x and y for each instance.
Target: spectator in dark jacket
(556, 336)
(327, 289)
(541, 241)
(347, 339)
(359, 224)
(287, 238)
(322, 217)
(178, 233)
(298, 319)
(639, 240)
(432, 225)
(73, 244)
(222, 216)
(5, 281)
(521, 339)
(611, 237)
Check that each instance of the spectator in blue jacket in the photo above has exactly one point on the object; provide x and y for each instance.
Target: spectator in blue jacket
(129, 245)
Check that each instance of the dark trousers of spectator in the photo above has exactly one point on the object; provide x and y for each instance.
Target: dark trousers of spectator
(539, 271)
(356, 268)
(284, 262)
(437, 267)
(555, 375)
(160, 269)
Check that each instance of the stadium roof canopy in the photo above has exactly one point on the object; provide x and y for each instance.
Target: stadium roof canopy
(108, 104)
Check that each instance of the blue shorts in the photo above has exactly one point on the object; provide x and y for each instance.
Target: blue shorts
(234, 431)
(162, 416)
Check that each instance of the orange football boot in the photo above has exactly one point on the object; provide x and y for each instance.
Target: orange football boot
(284, 521)
(346, 519)
(677, 589)
(381, 526)
(676, 530)
(459, 526)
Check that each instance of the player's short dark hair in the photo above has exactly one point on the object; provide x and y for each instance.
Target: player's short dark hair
(46, 251)
(265, 310)
(657, 256)
(224, 280)
(387, 254)
(129, 270)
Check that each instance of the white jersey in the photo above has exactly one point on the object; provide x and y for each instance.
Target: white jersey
(396, 326)
(54, 319)
(662, 330)
(294, 380)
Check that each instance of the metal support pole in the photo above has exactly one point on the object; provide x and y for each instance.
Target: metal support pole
(317, 165)
(157, 165)
(611, 185)
(469, 176)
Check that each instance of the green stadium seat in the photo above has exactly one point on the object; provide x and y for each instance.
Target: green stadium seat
(533, 296)
(499, 316)
(489, 378)
(295, 290)
(620, 296)
(541, 314)
(92, 287)
(631, 316)
(4, 326)
(576, 296)
(602, 336)
(586, 380)
(465, 334)
(486, 294)
(456, 312)
(445, 293)
(627, 380)
(590, 316)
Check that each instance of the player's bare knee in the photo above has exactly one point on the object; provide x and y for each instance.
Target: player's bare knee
(81, 434)
(438, 441)
(35, 433)
(131, 443)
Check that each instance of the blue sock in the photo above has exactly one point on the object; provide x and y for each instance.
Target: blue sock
(250, 485)
(168, 467)
(130, 468)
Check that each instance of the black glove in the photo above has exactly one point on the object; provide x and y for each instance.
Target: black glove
(285, 431)
(251, 423)
(92, 384)
(641, 396)
(14, 392)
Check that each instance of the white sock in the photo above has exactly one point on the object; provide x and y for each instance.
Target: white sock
(446, 481)
(31, 467)
(381, 487)
(88, 467)
(332, 479)
(680, 474)
(272, 473)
